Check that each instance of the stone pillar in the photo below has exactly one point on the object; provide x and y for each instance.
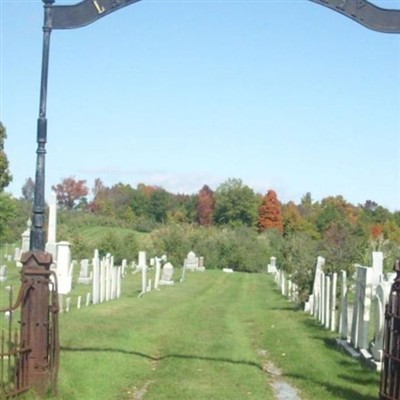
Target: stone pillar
(343, 318)
(51, 245)
(96, 278)
(333, 302)
(362, 305)
(64, 275)
(327, 319)
(158, 272)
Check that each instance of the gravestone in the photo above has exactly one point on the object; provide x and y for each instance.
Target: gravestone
(192, 262)
(64, 269)
(26, 240)
(272, 265)
(327, 301)
(377, 268)
(333, 302)
(3, 273)
(362, 304)
(158, 263)
(51, 245)
(17, 254)
(379, 301)
(26, 235)
(167, 274)
(141, 260)
(313, 304)
(85, 277)
(96, 278)
(344, 320)
(142, 266)
(123, 267)
(317, 287)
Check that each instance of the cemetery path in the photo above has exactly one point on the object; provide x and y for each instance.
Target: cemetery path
(221, 334)
(216, 336)
(282, 389)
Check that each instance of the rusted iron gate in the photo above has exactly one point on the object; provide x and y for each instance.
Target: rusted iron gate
(390, 378)
(22, 366)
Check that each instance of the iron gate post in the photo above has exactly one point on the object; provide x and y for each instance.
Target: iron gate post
(35, 309)
(390, 376)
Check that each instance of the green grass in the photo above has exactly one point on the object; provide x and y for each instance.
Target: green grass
(210, 337)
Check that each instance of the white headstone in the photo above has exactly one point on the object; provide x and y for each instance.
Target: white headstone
(141, 260)
(327, 318)
(317, 286)
(157, 262)
(96, 278)
(192, 261)
(377, 268)
(167, 274)
(51, 245)
(3, 273)
(379, 301)
(333, 302)
(26, 237)
(272, 265)
(64, 269)
(343, 319)
(362, 305)
(84, 276)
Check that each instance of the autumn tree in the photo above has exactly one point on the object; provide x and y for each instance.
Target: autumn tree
(205, 206)
(236, 204)
(341, 248)
(334, 210)
(70, 192)
(5, 174)
(270, 213)
(114, 201)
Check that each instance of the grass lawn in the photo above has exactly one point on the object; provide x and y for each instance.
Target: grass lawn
(215, 336)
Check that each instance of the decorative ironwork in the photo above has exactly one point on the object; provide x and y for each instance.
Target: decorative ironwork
(390, 378)
(29, 353)
(85, 12)
(365, 13)
(13, 354)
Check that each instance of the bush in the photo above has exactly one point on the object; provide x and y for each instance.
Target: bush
(241, 249)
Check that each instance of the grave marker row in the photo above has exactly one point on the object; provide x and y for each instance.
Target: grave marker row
(352, 320)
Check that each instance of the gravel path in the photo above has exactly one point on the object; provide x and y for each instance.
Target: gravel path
(283, 390)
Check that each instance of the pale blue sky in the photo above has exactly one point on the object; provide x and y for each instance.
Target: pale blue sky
(285, 95)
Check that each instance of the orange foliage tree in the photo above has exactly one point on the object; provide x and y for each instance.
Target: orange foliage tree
(205, 206)
(270, 213)
(70, 192)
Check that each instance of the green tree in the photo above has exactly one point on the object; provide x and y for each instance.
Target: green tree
(140, 202)
(336, 210)
(28, 190)
(342, 248)
(236, 204)
(160, 201)
(5, 174)
(8, 213)
(299, 256)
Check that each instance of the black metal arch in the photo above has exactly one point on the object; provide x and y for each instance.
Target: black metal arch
(367, 14)
(361, 11)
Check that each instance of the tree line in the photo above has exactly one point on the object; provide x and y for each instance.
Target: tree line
(232, 204)
(232, 226)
